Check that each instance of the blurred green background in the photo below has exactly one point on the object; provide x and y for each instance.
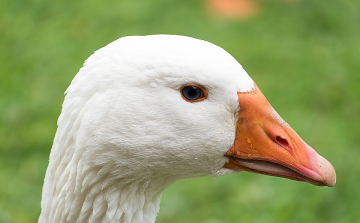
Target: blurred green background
(304, 55)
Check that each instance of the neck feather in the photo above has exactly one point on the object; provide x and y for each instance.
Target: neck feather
(101, 199)
(78, 190)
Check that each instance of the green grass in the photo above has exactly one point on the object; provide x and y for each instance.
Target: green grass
(304, 56)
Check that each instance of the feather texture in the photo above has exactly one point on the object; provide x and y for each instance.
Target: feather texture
(125, 134)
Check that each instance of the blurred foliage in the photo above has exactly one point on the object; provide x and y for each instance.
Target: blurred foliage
(304, 55)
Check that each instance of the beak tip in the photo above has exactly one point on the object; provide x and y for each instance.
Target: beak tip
(328, 172)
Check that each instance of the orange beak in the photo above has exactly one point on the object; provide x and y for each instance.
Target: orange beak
(266, 144)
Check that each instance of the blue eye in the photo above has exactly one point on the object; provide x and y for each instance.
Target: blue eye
(193, 93)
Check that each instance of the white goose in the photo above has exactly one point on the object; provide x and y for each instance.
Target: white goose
(147, 111)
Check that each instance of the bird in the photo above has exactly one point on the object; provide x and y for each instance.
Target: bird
(146, 111)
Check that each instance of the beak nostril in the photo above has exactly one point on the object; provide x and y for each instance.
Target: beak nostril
(282, 142)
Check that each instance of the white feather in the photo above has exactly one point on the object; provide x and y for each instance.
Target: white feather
(125, 134)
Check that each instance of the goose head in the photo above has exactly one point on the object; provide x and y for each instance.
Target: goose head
(144, 112)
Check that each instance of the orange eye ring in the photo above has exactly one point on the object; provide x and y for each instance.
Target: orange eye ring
(193, 93)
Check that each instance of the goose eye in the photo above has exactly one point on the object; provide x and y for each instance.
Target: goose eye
(193, 93)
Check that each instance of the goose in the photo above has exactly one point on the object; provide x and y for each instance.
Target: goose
(146, 111)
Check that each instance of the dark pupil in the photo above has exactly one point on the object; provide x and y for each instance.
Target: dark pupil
(192, 92)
